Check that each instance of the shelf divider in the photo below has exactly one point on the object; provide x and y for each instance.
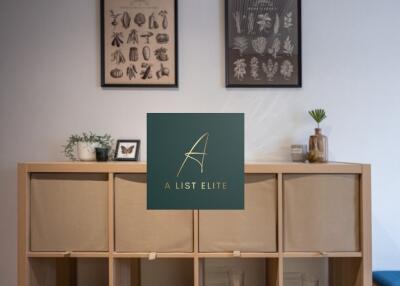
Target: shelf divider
(280, 229)
(111, 280)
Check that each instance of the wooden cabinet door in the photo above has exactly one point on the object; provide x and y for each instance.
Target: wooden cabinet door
(321, 212)
(253, 229)
(138, 229)
(69, 212)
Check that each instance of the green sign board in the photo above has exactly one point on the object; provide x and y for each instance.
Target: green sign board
(195, 161)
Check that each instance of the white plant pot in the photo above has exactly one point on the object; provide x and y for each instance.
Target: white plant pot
(87, 151)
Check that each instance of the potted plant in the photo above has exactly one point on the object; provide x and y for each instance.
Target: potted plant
(85, 145)
(318, 143)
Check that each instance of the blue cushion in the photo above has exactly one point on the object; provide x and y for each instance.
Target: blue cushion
(387, 278)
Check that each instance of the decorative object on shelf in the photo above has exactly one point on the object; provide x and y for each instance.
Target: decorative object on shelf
(102, 154)
(127, 150)
(139, 43)
(292, 279)
(84, 146)
(298, 152)
(236, 277)
(263, 43)
(318, 143)
(310, 280)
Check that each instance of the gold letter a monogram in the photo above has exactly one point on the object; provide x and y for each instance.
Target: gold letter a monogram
(192, 154)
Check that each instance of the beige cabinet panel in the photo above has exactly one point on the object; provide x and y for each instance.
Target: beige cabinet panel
(68, 212)
(321, 212)
(140, 230)
(253, 229)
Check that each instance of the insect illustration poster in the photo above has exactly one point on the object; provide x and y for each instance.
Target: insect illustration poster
(139, 43)
(195, 161)
(263, 43)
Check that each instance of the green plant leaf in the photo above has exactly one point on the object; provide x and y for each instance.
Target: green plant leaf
(318, 115)
(105, 141)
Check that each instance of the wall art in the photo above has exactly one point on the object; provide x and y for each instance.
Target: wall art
(127, 150)
(263, 43)
(139, 43)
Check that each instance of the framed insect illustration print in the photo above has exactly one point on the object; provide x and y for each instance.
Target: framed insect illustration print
(139, 43)
(127, 150)
(263, 43)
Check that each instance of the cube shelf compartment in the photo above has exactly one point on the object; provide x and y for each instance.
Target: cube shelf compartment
(68, 271)
(256, 271)
(87, 224)
(325, 271)
(163, 271)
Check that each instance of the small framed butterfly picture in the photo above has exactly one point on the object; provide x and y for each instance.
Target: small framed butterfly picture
(127, 150)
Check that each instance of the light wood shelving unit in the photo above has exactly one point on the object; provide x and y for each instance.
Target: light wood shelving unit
(281, 198)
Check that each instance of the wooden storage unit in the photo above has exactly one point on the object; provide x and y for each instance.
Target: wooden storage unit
(292, 212)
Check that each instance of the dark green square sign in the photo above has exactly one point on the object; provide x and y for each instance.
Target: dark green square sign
(195, 161)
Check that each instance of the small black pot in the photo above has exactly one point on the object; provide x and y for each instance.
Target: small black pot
(102, 154)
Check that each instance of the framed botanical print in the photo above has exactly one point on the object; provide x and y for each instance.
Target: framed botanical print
(139, 43)
(263, 43)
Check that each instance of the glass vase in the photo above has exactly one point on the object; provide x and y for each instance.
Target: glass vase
(318, 147)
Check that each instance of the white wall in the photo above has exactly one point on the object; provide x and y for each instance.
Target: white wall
(50, 88)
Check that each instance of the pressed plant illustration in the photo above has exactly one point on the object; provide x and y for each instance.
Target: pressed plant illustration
(270, 69)
(250, 23)
(254, 67)
(259, 45)
(241, 44)
(288, 21)
(288, 47)
(238, 21)
(277, 24)
(287, 69)
(276, 46)
(240, 69)
(264, 22)
(318, 115)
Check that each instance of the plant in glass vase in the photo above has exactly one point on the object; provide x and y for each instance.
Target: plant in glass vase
(318, 143)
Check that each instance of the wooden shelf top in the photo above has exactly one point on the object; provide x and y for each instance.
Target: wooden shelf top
(141, 167)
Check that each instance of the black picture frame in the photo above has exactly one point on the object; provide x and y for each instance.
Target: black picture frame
(103, 71)
(229, 83)
(118, 146)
